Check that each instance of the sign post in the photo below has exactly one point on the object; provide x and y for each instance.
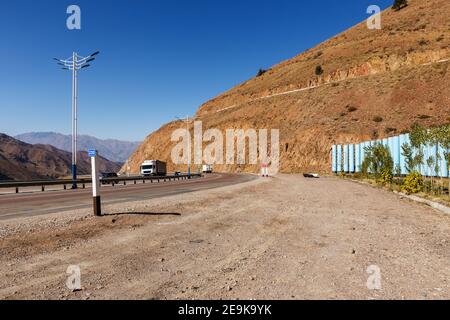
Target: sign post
(95, 183)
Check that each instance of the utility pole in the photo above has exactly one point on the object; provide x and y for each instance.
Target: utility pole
(74, 64)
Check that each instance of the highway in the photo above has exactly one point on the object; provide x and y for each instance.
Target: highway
(39, 203)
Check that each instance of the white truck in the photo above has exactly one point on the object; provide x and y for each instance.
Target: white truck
(153, 168)
(207, 168)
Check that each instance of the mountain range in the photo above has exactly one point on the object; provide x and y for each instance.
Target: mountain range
(114, 150)
(23, 161)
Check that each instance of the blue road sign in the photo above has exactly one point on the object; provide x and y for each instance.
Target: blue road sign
(92, 153)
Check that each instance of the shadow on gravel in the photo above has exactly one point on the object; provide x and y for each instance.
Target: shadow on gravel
(142, 214)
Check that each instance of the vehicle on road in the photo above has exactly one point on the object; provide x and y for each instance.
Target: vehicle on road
(108, 175)
(207, 168)
(177, 173)
(153, 168)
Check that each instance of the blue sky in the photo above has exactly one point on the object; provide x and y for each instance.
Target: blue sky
(159, 59)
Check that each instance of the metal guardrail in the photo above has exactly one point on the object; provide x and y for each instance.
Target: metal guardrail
(82, 182)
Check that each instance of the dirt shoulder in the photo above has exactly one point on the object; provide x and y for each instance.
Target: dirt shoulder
(280, 238)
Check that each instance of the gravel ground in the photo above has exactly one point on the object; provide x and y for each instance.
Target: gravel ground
(281, 238)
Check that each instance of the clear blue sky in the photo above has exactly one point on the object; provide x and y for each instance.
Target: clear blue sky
(159, 59)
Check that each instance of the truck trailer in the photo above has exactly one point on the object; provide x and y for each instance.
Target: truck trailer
(153, 168)
(207, 168)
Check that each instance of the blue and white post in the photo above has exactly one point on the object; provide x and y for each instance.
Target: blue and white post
(95, 183)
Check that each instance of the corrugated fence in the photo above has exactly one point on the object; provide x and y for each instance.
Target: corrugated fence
(349, 158)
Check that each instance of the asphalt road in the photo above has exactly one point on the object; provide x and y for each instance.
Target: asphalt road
(38, 203)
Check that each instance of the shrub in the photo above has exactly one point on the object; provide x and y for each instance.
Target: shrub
(351, 108)
(413, 183)
(261, 72)
(319, 70)
(399, 4)
(389, 130)
(377, 119)
(318, 54)
(386, 177)
(378, 161)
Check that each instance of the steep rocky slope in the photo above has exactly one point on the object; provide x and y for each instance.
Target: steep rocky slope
(23, 161)
(375, 83)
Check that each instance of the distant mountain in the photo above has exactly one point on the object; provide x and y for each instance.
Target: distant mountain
(114, 150)
(23, 161)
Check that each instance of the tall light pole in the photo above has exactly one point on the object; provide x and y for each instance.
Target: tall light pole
(188, 145)
(74, 64)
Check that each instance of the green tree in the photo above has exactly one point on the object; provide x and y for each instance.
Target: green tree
(378, 161)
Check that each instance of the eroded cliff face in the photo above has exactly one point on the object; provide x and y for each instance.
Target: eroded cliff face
(381, 64)
(399, 74)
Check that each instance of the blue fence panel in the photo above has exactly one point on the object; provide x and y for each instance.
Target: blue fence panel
(443, 166)
(351, 158)
(334, 158)
(358, 157)
(339, 158)
(346, 157)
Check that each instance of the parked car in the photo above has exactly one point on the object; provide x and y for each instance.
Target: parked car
(177, 173)
(109, 175)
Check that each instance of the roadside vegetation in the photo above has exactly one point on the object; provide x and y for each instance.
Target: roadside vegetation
(378, 166)
(399, 4)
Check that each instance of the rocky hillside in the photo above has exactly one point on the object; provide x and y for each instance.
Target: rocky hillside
(361, 84)
(114, 150)
(23, 161)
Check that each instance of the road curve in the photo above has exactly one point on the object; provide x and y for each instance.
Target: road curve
(39, 203)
